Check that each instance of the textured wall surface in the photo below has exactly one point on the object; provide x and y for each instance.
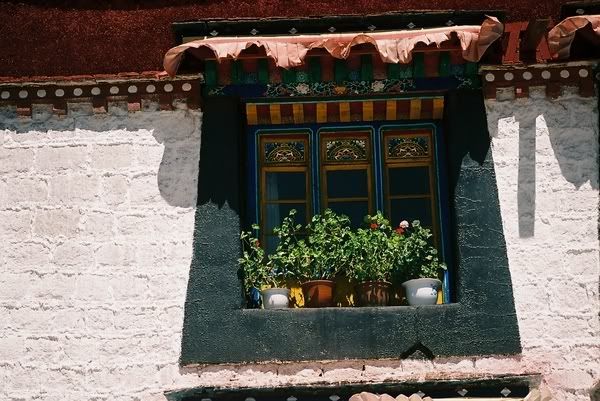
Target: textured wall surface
(135, 34)
(96, 224)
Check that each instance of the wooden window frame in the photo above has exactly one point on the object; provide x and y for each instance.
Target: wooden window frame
(326, 165)
(427, 161)
(266, 167)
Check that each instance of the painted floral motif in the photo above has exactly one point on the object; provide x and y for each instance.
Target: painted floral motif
(388, 86)
(303, 89)
(466, 82)
(302, 76)
(408, 147)
(343, 88)
(346, 149)
(284, 152)
(377, 86)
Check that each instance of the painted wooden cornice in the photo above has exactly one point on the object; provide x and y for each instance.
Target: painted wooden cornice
(553, 77)
(136, 90)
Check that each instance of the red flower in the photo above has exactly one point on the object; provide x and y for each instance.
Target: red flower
(400, 230)
(374, 226)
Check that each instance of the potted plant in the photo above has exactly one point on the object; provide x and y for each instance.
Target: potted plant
(326, 251)
(375, 251)
(261, 274)
(420, 265)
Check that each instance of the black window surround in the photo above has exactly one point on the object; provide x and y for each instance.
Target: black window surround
(217, 329)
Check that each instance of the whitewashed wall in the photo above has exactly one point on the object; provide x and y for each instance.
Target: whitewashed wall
(96, 222)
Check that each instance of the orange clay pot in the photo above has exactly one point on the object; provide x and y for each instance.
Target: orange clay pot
(374, 293)
(318, 293)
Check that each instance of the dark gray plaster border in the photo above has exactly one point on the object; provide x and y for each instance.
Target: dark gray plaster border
(482, 322)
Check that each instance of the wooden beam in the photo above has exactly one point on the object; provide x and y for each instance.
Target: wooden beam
(531, 38)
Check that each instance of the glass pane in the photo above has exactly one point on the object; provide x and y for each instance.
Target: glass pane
(271, 244)
(347, 184)
(411, 209)
(356, 211)
(409, 180)
(276, 212)
(288, 185)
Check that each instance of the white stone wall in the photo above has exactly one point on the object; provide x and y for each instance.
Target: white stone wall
(96, 222)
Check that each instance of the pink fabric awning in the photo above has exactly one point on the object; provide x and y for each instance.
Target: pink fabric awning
(561, 36)
(392, 46)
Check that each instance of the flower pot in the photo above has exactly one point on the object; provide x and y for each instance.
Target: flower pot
(253, 298)
(318, 293)
(276, 298)
(373, 293)
(422, 291)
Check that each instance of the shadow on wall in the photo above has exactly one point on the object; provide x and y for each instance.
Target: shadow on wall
(595, 393)
(178, 132)
(574, 145)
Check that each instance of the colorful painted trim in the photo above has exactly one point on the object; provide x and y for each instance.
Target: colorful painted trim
(431, 108)
(100, 92)
(551, 76)
(325, 76)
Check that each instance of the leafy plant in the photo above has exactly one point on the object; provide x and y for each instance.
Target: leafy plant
(327, 246)
(291, 255)
(419, 258)
(255, 267)
(375, 250)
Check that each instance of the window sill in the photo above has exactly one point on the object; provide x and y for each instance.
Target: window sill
(359, 309)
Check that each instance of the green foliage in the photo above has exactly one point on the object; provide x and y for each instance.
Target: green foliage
(327, 246)
(375, 250)
(255, 268)
(291, 255)
(419, 258)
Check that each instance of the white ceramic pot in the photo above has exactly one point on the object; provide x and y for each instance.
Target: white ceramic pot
(422, 291)
(276, 298)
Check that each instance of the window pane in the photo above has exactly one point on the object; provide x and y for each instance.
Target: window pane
(275, 213)
(356, 211)
(347, 184)
(286, 185)
(271, 244)
(408, 180)
(411, 209)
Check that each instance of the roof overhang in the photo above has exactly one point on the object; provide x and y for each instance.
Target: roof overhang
(393, 46)
(560, 38)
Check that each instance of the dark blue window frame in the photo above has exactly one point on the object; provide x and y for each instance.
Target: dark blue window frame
(377, 129)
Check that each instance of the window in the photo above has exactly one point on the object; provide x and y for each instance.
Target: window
(353, 169)
(227, 199)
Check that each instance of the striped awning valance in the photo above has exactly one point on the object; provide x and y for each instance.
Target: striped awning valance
(418, 108)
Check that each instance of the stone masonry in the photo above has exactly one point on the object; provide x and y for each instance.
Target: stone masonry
(96, 224)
